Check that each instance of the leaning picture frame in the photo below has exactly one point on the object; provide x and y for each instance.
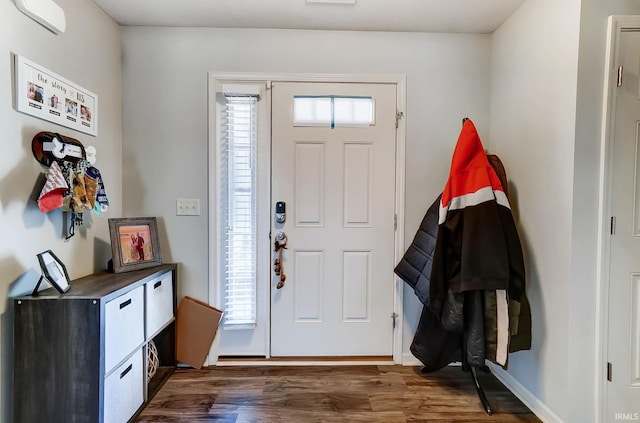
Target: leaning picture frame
(53, 271)
(134, 243)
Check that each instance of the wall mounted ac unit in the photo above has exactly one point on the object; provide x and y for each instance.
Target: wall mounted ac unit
(45, 12)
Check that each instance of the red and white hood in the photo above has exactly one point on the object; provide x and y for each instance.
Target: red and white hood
(472, 180)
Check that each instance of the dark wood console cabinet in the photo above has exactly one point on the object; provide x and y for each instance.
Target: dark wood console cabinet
(82, 356)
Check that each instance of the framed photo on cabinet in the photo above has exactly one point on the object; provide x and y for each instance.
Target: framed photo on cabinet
(134, 243)
(53, 271)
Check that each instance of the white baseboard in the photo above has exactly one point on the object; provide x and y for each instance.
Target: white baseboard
(539, 408)
(409, 360)
(230, 363)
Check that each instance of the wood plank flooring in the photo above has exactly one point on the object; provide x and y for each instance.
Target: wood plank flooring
(330, 394)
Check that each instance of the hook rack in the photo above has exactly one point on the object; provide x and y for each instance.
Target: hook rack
(48, 147)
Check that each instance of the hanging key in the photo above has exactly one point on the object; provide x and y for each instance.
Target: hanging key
(280, 244)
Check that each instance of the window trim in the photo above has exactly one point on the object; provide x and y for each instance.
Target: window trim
(258, 332)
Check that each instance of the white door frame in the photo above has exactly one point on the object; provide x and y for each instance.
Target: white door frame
(616, 24)
(214, 78)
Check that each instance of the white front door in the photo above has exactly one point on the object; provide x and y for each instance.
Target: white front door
(337, 181)
(623, 395)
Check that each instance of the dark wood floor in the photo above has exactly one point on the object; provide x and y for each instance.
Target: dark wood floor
(328, 394)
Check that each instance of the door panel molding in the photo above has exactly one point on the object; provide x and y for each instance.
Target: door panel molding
(215, 79)
(309, 184)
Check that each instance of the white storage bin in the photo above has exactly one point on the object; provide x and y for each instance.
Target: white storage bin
(124, 390)
(124, 326)
(159, 295)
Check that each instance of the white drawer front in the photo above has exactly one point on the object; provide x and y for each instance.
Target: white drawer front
(124, 326)
(124, 390)
(159, 293)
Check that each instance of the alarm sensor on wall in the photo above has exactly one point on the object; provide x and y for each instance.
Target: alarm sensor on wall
(45, 12)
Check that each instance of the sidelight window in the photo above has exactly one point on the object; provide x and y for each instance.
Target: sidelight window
(238, 226)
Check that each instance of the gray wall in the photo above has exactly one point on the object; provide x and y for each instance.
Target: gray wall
(88, 54)
(534, 68)
(165, 115)
(546, 112)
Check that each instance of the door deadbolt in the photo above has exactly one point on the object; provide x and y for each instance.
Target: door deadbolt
(281, 213)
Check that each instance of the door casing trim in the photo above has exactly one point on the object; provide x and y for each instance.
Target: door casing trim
(214, 78)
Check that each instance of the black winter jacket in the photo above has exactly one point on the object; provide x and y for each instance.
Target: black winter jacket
(415, 266)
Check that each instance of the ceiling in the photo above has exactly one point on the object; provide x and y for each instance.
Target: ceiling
(464, 16)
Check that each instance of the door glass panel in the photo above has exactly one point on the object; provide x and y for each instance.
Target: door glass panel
(331, 111)
(312, 111)
(353, 111)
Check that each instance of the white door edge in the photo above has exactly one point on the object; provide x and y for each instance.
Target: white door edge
(616, 24)
(215, 78)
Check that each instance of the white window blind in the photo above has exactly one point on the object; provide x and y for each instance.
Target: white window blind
(238, 249)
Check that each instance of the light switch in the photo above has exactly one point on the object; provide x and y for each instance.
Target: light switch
(187, 207)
